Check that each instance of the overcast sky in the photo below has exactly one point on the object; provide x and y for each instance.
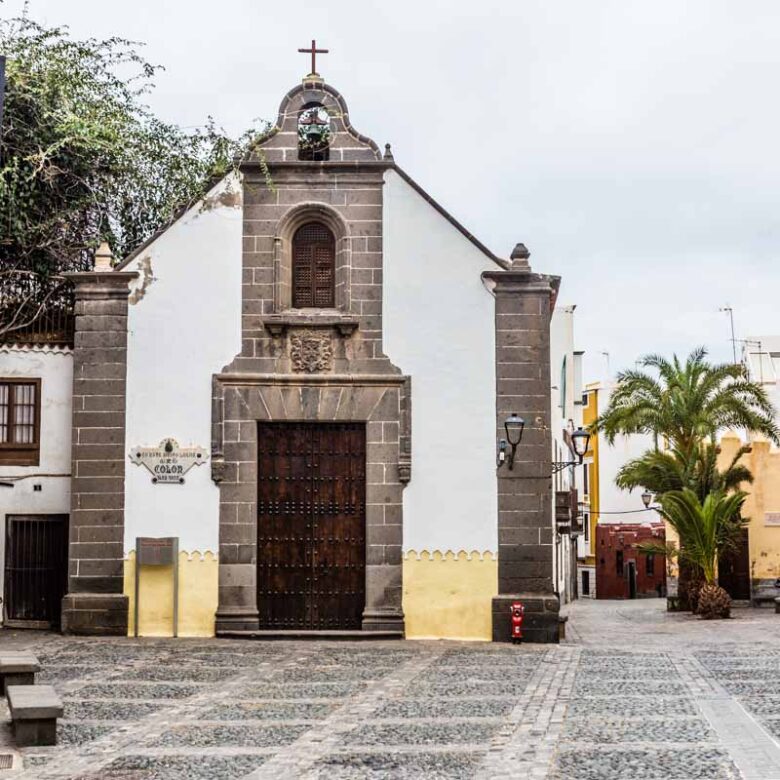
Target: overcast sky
(631, 145)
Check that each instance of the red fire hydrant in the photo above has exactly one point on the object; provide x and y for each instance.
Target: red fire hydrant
(517, 610)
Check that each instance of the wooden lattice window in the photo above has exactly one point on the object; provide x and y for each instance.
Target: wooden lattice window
(313, 267)
(20, 422)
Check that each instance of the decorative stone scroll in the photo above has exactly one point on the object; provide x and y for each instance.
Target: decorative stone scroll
(311, 351)
(168, 463)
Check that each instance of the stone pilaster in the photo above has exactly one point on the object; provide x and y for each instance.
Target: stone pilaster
(523, 302)
(95, 603)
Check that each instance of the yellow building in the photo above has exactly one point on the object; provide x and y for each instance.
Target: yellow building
(755, 569)
(590, 498)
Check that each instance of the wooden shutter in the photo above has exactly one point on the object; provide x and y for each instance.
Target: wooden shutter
(314, 267)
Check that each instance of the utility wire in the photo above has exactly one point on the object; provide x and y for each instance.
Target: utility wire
(627, 512)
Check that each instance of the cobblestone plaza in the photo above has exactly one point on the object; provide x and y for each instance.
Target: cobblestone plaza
(634, 692)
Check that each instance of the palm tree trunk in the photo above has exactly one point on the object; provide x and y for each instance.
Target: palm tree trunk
(689, 582)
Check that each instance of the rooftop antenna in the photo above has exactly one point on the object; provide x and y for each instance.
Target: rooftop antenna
(755, 343)
(733, 339)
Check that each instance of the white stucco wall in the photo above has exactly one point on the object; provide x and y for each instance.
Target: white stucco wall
(185, 327)
(612, 500)
(761, 355)
(566, 406)
(54, 367)
(439, 327)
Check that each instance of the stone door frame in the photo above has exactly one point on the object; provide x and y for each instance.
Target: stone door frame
(240, 401)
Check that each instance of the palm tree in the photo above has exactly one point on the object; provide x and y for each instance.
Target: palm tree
(660, 471)
(709, 527)
(687, 404)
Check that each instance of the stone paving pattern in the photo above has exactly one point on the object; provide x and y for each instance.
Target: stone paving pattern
(634, 693)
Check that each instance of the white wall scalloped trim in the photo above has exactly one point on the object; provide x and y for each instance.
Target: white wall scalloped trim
(46, 349)
(450, 555)
(185, 555)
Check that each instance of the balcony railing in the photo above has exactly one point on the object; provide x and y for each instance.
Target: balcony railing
(36, 311)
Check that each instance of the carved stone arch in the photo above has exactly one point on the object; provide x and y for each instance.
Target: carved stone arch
(293, 219)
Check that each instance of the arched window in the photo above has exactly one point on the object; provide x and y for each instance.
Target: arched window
(313, 267)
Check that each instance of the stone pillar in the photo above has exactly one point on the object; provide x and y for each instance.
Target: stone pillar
(95, 602)
(524, 303)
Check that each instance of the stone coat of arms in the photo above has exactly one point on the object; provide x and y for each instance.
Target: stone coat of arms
(311, 351)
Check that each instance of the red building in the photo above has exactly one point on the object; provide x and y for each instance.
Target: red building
(623, 571)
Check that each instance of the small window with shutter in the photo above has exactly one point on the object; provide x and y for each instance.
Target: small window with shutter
(313, 267)
(20, 421)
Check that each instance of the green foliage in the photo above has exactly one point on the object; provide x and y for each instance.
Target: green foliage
(82, 157)
(708, 527)
(662, 470)
(687, 403)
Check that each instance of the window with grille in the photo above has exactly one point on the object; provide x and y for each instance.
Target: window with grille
(20, 415)
(313, 267)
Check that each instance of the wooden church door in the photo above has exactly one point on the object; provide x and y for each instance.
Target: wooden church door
(311, 489)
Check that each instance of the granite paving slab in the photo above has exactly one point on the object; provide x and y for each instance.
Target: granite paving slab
(762, 705)
(746, 673)
(332, 674)
(140, 767)
(751, 687)
(108, 710)
(178, 674)
(394, 766)
(475, 672)
(424, 733)
(53, 673)
(636, 675)
(270, 711)
(138, 690)
(445, 708)
(631, 706)
(647, 729)
(654, 764)
(607, 687)
(318, 690)
(228, 736)
(470, 688)
(81, 733)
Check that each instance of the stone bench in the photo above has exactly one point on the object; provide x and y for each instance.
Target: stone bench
(34, 712)
(17, 668)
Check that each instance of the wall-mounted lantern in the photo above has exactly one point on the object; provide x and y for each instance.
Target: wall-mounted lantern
(647, 500)
(580, 442)
(513, 425)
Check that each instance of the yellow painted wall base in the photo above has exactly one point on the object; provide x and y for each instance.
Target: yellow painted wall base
(198, 590)
(446, 596)
(449, 596)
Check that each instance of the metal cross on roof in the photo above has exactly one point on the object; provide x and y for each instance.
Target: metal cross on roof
(314, 51)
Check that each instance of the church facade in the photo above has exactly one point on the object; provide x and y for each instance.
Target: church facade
(296, 392)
